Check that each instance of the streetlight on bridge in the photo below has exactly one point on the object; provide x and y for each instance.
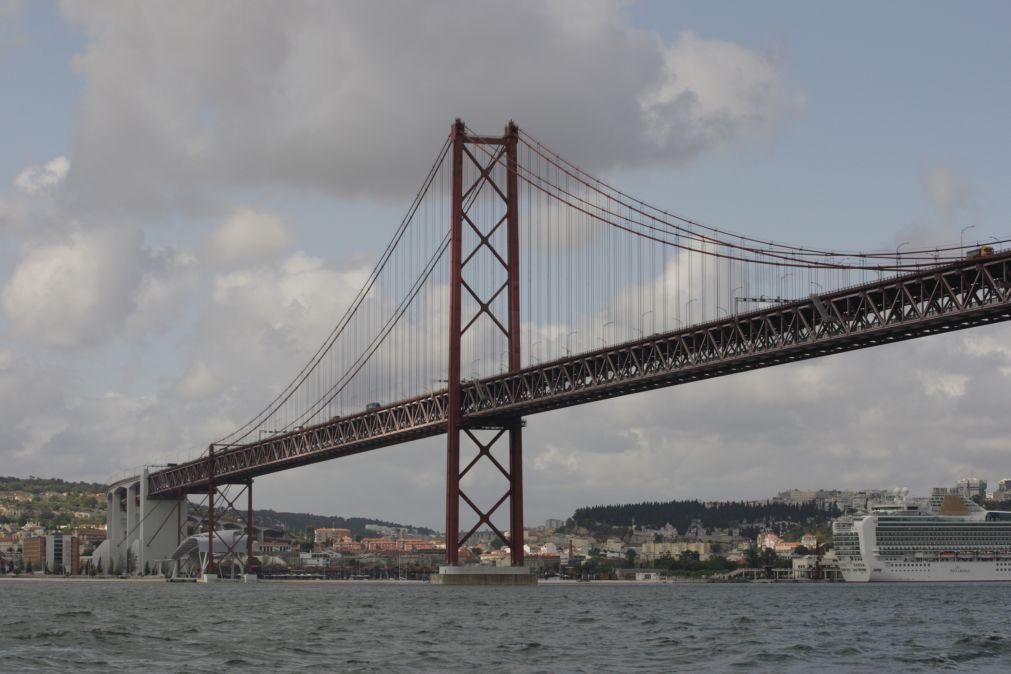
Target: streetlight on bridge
(574, 332)
(733, 296)
(961, 238)
(898, 256)
(688, 306)
(652, 324)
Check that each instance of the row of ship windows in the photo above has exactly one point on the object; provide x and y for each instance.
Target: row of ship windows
(1003, 566)
(967, 545)
(1001, 530)
(947, 526)
(938, 541)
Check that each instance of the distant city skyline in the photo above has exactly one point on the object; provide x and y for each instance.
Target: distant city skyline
(167, 228)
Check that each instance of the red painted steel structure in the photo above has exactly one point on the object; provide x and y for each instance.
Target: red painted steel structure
(930, 300)
(216, 513)
(209, 567)
(249, 525)
(456, 428)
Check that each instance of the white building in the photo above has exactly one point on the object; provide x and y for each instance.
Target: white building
(972, 487)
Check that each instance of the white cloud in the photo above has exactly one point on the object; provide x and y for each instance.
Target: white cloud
(353, 98)
(248, 235)
(713, 92)
(198, 382)
(92, 285)
(947, 192)
(77, 290)
(41, 179)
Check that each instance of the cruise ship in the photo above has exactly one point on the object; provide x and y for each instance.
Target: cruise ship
(947, 537)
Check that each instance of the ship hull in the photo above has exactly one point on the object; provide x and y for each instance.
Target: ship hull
(928, 571)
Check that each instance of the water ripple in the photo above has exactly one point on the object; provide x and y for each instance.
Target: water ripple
(403, 627)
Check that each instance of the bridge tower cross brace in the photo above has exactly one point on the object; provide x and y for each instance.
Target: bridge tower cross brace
(484, 162)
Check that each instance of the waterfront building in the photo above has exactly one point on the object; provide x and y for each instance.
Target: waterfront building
(973, 488)
(768, 540)
(642, 575)
(10, 545)
(804, 567)
(275, 546)
(330, 535)
(1002, 495)
(650, 551)
(33, 552)
(90, 537)
(63, 554)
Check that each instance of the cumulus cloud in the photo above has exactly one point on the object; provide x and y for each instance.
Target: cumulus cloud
(259, 326)
(92, 285)
(77, 290)
(953, 203)
(353, 98)
(712, 92)
(248, 235)
(40, 179)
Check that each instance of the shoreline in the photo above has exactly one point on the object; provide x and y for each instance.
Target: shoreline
(388, 581)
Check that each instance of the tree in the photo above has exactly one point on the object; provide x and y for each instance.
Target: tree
(630, 556)
(801, 550)
(28, 567)
(753, 557)
(147, 569)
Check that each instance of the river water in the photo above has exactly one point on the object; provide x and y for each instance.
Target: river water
(585, 627)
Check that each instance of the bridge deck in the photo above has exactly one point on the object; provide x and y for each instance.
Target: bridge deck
(952, 297)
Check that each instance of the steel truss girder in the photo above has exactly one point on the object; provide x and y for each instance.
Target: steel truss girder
(402, 422)
(960, 295)
(957, 296)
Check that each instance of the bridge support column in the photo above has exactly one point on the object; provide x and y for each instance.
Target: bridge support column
(516, 493)
(488, 162)
(210, 569)
(249, 576)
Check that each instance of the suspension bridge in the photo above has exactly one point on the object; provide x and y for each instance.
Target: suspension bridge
(515, 284)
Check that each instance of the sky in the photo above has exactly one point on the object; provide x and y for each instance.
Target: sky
(176, 174)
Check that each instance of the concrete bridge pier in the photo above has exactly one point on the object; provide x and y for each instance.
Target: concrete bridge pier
(142, 532)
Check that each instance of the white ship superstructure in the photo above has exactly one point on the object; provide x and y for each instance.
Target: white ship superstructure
(947, 537)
